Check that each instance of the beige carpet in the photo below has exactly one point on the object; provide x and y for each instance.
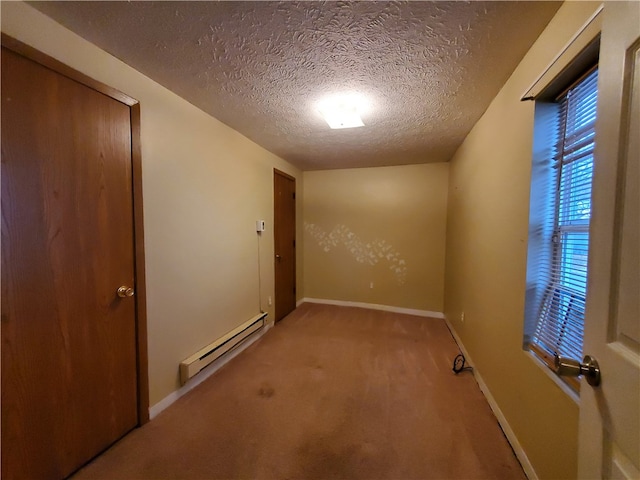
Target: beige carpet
(330, 392)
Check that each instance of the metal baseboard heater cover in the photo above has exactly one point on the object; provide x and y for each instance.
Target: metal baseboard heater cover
(199, 360)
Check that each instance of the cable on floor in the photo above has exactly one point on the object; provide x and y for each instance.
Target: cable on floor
(459, 363)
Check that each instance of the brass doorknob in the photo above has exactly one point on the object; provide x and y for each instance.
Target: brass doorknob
(570, 367)
(124, 292)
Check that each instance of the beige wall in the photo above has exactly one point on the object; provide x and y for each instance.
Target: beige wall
(204, 185)
(383, 225)
(486, 260)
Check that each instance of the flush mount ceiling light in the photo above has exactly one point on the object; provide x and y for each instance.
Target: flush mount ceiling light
(342, 111)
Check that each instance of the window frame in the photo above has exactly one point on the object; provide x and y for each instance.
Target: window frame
(547, 247)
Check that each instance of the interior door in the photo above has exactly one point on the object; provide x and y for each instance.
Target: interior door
(609, 414)
(69, 381)
(284, 187)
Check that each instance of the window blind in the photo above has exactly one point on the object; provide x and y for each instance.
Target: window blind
(559, 328)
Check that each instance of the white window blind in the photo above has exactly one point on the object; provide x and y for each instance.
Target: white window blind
(559, 326)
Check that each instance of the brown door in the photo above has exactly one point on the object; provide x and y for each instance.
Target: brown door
(69, 381)
(284, 187)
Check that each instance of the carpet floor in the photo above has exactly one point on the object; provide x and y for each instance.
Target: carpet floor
(329, 393)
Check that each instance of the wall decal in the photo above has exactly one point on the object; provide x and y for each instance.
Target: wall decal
(363, 252)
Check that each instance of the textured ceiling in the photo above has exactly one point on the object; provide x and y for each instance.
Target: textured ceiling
(428, 69)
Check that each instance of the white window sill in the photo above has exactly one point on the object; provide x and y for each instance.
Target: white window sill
(557, 380)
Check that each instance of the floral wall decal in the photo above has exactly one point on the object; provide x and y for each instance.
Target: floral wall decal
(370, 253)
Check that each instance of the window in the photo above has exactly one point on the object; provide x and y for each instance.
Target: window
(559, 237)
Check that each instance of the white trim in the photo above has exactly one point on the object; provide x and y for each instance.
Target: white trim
(589, 31)
(372, 306)
(571, 393)
(504, 424)
(205, 373)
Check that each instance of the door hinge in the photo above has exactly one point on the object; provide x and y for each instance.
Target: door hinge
(294, 244)
(294, 195)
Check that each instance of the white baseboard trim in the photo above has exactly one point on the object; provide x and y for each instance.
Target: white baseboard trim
(372, 306)
(206, 373)
(504, 424)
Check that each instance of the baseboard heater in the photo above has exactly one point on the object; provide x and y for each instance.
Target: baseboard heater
(199, 360)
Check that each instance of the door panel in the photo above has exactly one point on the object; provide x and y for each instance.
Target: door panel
(284, 240)
(610, 414)
(69, 382)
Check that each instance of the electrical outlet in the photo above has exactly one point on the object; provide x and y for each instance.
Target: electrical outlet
(462, 317)
(371, 285)
(269, 301)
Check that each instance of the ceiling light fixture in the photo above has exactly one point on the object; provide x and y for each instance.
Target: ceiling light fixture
(342, 111)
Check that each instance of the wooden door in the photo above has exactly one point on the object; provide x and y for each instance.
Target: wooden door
(609, 441)
(69, 359)
(284, 187)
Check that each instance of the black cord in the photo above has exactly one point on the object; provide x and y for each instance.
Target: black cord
(458, 362)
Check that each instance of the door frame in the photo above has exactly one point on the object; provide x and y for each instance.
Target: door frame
(295, 250)
(142, 370)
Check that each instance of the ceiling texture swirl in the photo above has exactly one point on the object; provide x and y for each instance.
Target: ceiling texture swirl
(427, 70)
